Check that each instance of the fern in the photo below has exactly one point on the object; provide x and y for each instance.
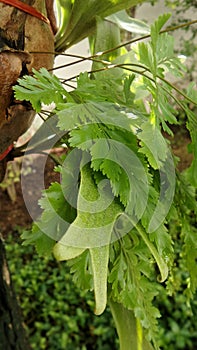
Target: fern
(112, 213)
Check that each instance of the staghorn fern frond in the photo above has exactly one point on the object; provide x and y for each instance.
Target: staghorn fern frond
(77, 19)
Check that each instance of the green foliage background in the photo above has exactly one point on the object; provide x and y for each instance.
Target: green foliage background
(57, 314)
(60, 316)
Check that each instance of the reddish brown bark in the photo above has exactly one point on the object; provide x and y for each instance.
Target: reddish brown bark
(20, 35)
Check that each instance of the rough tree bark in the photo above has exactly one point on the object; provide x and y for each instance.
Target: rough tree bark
(12, 333)
(20, 35)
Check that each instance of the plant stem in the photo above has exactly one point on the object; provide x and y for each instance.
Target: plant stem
(129, 329)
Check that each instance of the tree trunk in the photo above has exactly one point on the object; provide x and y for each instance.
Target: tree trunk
(20, 36)
(12, 333)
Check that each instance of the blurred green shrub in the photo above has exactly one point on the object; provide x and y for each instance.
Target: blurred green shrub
(178, 324)
(57, 314)
(60, 316)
